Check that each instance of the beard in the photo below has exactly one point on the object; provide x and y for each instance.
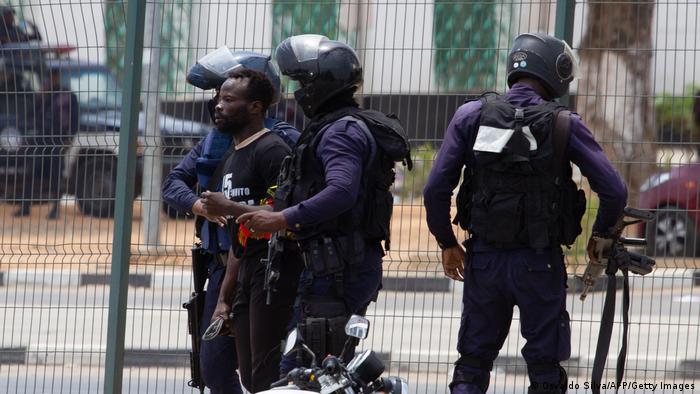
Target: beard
(230, 124)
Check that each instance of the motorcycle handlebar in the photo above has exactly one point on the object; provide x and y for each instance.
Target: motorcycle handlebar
(280, 383)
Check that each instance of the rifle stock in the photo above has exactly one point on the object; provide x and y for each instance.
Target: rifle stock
(272, 273)
(195, 308)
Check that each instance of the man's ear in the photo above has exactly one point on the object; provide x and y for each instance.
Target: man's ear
(255, 107)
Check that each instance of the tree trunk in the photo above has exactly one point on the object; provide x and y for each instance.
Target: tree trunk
(615, 88)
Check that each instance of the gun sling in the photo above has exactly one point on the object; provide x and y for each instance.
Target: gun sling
(605, 332)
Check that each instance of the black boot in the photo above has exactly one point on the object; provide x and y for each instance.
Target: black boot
(53, 214)
(24, 210)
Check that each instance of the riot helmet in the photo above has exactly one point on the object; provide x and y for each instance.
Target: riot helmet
(323, 67)
(213, 69)
(545, 58)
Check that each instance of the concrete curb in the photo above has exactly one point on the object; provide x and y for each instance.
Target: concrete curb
(14, 355)
(93, 356)
(575, 366)
(179, 358)
(182, 279)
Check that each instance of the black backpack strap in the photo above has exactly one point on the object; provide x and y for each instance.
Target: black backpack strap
(368, 133)
(560, 138)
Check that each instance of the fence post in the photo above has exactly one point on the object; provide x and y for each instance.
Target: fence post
(564, 28)
(126, 170)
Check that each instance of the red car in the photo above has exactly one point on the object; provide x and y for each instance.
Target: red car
(674, 196)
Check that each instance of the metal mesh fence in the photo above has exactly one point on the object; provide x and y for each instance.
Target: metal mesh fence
(638, 93)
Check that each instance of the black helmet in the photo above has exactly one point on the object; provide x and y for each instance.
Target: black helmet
(323, 67)
(545, 58)
(213, 69)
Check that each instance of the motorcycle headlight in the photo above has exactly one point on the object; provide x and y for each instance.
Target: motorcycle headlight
(366, 366)
(654, 181)
(10, 139)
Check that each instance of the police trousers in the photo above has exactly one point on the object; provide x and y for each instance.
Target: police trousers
(361, 283)
(218, 356)
(495, 282)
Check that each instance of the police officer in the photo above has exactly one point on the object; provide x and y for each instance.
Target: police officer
(519, 204)
(9, 31)
(58, 118)
(324, 198)
(218, 356)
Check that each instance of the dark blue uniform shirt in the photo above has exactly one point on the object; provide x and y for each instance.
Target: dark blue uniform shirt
(582, 150)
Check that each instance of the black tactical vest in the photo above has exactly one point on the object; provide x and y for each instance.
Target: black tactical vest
(519, 191)
(303, 176)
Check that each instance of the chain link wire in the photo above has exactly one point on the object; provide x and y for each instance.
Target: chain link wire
(60, 102)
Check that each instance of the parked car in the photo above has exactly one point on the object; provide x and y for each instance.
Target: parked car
(90, 161)
(674, 196)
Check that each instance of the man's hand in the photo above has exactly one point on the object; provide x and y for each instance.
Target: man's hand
(263, 221)
(198, 209)
(223, 311)
(599, 248)
(216, 204)
(453, 262)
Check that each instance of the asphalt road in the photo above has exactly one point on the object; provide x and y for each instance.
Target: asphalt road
(62, 330)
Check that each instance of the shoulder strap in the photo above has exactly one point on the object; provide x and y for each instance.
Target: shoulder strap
(560, 137)
(360, 123)
(368, 133)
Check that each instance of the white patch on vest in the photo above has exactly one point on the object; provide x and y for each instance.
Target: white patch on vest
(492, 139)
(530, 138)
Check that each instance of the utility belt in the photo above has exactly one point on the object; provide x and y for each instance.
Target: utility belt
(328, 255)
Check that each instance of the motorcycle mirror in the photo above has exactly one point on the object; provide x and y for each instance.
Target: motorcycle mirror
(399, 385)
(293, 342)
(357, 327)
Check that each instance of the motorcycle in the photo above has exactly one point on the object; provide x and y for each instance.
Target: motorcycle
(362, 375)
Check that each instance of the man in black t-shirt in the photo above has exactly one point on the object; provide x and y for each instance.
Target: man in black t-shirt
(250, 170)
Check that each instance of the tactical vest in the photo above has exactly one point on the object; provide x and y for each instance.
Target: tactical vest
(214, 238)
(303, 176)
(518, 192)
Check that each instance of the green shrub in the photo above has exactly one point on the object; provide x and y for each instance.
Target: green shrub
(409, 184)
(674, 116)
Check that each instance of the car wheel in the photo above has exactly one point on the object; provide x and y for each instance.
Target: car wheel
(96, 187)
(672, 234)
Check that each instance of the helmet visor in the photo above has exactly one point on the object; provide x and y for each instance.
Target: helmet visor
(306, 46)
(220, 61)
(575, 69)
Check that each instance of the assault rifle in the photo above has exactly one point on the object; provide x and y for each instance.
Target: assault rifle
(616, 256)
(195, 307)
(613, 257)
(272, 271)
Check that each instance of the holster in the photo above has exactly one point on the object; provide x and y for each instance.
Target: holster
(322, 325)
